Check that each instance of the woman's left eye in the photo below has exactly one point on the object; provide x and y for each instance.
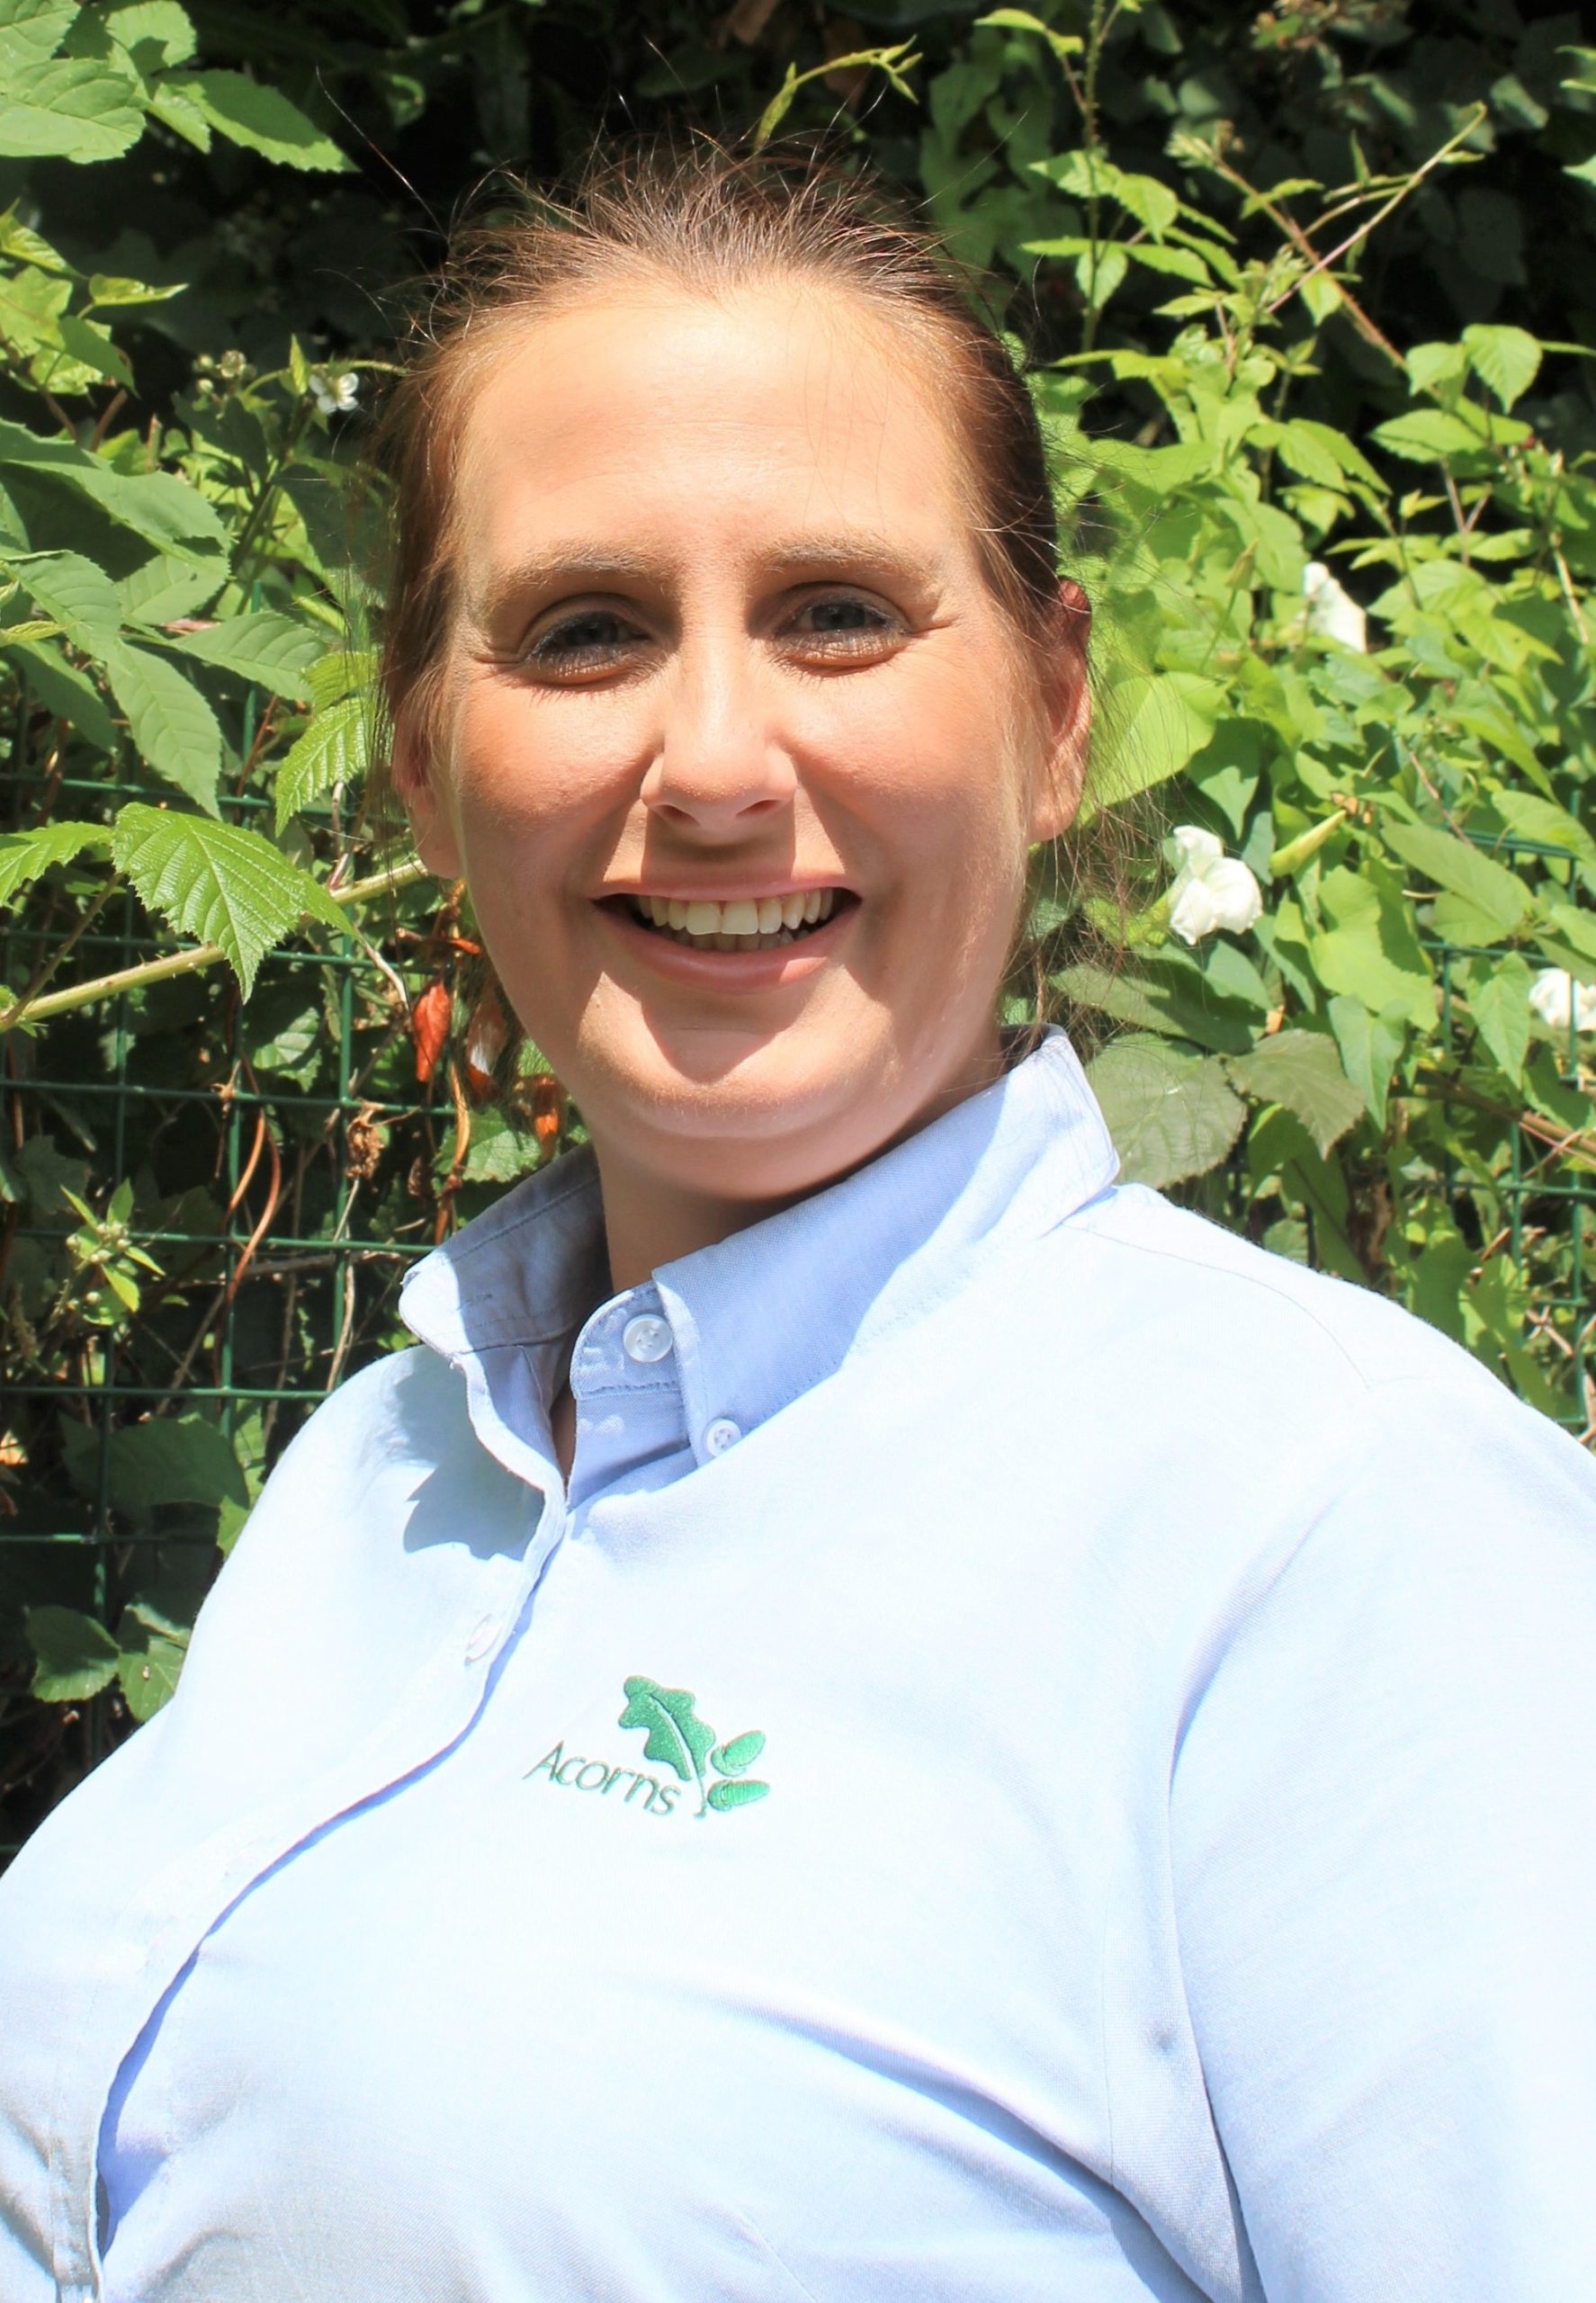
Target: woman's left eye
(843, 624)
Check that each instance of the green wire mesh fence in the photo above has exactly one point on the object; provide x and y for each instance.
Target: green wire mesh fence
(268, 1172)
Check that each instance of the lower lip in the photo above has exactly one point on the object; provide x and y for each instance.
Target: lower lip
(783, 963)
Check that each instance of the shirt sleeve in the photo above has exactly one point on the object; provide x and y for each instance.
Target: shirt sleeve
(1384, 1812)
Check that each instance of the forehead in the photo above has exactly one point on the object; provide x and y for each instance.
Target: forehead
(649, 414)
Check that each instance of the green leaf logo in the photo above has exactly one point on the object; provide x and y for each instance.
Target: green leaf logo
(678, 1738)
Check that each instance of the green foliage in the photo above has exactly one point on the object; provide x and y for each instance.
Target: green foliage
(1307, 299)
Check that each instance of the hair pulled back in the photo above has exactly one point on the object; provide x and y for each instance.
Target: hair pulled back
(709, 221)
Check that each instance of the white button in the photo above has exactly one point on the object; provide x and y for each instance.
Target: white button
(720, 1435)
(647, 1337)
(481, 1639)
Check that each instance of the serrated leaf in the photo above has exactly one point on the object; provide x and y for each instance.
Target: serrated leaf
(248, 113)
(157, 505)
(156, 33)
(1150, 723)
(273, 650)
(170, 721)
(1428, 436)
(76, 595)
(31, 30)
(1500, 1005)
(1369, 950)
(25, 854)
(348, 671)
(1506, 359)
(1170, 1114)
(65, 691)
(217, 882)
(335, 749)
(76, 1656)
(1303, 1070)
(1498, 895)
(69, 109)
(176, 109)
(164, 588)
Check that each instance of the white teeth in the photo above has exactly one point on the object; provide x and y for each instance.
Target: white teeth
(743, 924)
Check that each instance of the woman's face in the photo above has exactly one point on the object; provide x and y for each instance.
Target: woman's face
(723, 657)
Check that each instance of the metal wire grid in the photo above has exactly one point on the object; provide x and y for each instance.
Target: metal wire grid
(355, 1310)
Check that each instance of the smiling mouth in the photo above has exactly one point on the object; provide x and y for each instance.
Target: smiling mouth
(743, 924)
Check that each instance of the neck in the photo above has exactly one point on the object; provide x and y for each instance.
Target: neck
(653, 1219)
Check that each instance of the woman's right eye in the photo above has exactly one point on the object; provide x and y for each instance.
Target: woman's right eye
(594, 639)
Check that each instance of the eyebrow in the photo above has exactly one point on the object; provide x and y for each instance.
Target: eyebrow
(583, 566)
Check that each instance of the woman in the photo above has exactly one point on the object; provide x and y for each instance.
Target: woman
(867, 1715)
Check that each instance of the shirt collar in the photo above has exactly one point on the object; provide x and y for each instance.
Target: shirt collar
(762, 1316)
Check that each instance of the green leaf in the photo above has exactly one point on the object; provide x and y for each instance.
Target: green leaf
(1490, 889)
(335, 749)
(1151, 724)
(248, 113)
(1428, 436)
(93, 349)
(163, 589)
(69, 109)
(217, 882)
(1167, 996)
(725, 1796)
(173, 1459)
(1020, 19)
(348, 671)
(155, 34)
(1500, 1005)
(1370, 950)
(1303, 1070)
(31, 30)
(273, 650)
(676, 1738)
(65, 691)
(1170, 1114)
(157, 505)
(739, 1752)
(1506, 359)
(24, 855)
(75, 593)
(148, 1665)
(169, 720)
(76, 1656)
(1371, 1048)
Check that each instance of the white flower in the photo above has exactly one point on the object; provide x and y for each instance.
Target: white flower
(335, 395)
(1557, 1000)
(1211, 890)
(1332, 613)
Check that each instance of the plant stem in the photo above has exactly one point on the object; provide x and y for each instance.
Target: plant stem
(198, 955)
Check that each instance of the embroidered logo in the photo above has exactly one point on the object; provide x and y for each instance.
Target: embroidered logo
(675, 1737)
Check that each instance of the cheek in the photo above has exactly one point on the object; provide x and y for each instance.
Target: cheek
(521, 782)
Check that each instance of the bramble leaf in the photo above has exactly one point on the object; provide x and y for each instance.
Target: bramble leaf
(219, 881)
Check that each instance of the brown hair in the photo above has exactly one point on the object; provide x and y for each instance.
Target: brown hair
(709, 220)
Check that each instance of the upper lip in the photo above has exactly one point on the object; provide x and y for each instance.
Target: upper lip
(754, 892)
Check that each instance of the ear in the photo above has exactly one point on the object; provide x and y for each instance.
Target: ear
(418, 781)
(1067, 722)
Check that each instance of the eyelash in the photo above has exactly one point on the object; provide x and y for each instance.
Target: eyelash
(547, 654)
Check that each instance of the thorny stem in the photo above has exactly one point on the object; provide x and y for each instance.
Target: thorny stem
(198, 955)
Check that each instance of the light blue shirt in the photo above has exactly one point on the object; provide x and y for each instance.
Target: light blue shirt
(1045, 1757)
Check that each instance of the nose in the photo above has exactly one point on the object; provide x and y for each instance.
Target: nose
(720, 768)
